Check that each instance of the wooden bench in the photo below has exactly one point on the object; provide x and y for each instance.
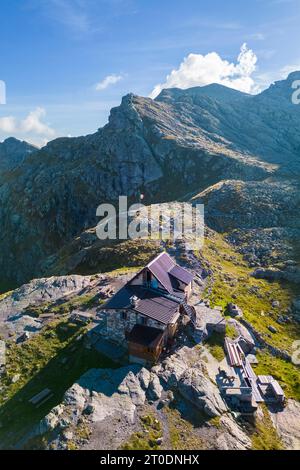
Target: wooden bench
(41, 397)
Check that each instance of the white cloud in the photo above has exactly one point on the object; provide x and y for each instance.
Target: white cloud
(33, 124)
(200, 70)
(8, 124)
(285, 71)
(264, 80)
(108, 81)
(31, 128)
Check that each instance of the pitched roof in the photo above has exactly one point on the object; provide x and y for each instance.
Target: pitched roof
(182, 274)
(149, 303)
(166, 270)
(160, 268)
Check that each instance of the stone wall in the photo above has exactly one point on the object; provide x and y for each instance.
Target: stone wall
(116, 325)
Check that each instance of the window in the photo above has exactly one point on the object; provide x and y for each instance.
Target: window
(124, 316)
(144, 321)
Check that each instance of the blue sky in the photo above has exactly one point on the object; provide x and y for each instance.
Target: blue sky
(67, 62)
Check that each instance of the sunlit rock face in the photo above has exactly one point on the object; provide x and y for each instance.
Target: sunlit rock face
(177, 145)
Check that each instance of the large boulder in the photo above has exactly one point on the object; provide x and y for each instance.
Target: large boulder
(131, 387)
(287, 424)
(242, 332)
(102, 408)
(155, 389)
(51, 420)
(196, 387)
(233, 437)
(174, 366)
(38, 292)
(76, 397)
(144, 377)
(208, 321)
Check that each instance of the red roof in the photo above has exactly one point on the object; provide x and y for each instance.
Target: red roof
(149, 303)
(160, 267)
(153, 303)
(164, 268)
(181, 274)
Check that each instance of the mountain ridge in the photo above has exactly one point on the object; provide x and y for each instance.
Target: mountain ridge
(164, 148)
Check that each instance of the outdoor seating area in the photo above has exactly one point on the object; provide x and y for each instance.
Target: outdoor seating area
(239, 384)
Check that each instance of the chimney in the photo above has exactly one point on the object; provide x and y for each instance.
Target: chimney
(133, 301)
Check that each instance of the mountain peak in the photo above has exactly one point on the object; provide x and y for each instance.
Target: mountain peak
(13, 151)
(293, 76)
(213, 91)
(282, 91)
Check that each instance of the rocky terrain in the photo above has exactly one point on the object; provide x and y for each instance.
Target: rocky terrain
(112, 405)
(261, 219)
(239, 156)
(179, 144)
(13, 153)
(99, 404)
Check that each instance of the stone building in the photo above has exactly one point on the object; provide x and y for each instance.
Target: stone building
(144, 315)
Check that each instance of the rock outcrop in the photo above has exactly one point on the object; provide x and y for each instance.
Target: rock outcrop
(111, 399)
(40, 291)
(261, 220)
(13, 153)
(287, 424)
(183, 142)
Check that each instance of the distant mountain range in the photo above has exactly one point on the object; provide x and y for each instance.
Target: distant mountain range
(238, 153)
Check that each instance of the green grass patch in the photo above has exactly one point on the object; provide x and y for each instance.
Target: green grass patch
(215, 344)
(146, 439)
(64, 307)
(231, 332)
(216, 422)
(182, 433)
(53, 359)
(232, 282)
(106, 255)
(265, 436)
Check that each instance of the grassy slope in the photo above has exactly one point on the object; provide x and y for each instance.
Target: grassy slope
(53, 359)
(265, 436)
(147, 437)
(39, 359)
(104, 256)
(233, 283)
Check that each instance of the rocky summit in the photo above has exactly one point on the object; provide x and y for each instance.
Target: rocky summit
(180, 144)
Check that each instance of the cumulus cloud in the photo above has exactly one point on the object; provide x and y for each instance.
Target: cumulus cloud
(200, 70)
(33, 123)
(32, 127)
(8, 124)
(108, 81)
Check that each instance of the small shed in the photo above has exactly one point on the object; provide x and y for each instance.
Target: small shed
(145, 344)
